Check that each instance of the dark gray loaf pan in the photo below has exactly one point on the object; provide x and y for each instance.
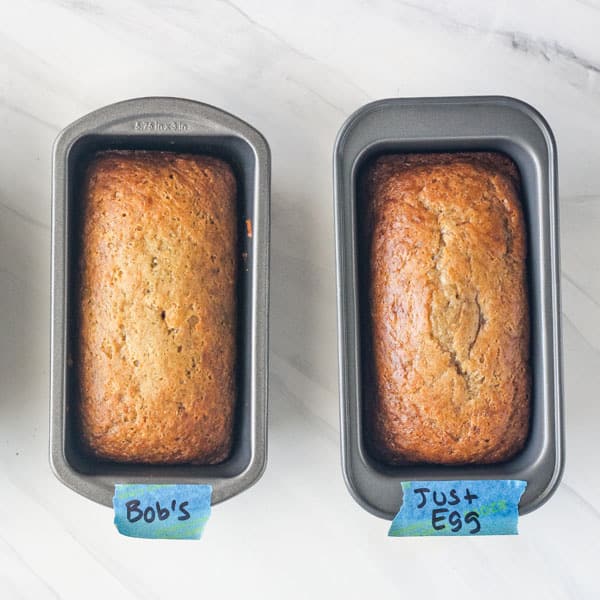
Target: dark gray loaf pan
(497, 124)
(180, 126)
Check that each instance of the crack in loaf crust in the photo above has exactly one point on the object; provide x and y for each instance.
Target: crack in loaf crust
(449, 379)
(157, 308)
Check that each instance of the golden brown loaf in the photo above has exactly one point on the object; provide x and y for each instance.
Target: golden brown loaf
(157, 309)
(448, 327)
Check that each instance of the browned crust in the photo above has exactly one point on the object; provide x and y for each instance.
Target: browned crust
(447, 309)
(157, 308)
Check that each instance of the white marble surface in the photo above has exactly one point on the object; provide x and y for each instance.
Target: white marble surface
(295, 71)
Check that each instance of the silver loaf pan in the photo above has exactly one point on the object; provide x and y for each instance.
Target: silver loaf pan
(497, 124)
(181, 126)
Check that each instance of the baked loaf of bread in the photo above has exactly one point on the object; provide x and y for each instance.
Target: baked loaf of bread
(447, 309)
(157, 308)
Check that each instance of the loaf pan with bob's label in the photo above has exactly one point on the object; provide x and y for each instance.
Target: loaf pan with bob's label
(176, 125)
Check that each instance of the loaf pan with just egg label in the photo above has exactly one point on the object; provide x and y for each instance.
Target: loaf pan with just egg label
(461, 124)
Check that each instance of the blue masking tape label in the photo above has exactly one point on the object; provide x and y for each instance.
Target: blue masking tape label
(162, 511)
(487, 507)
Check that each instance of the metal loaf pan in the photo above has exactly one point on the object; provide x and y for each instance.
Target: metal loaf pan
(447, 125)
(181, 126)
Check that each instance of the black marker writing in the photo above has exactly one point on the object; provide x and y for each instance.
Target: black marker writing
(156, 511)
(185, 515)
(442, 517)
